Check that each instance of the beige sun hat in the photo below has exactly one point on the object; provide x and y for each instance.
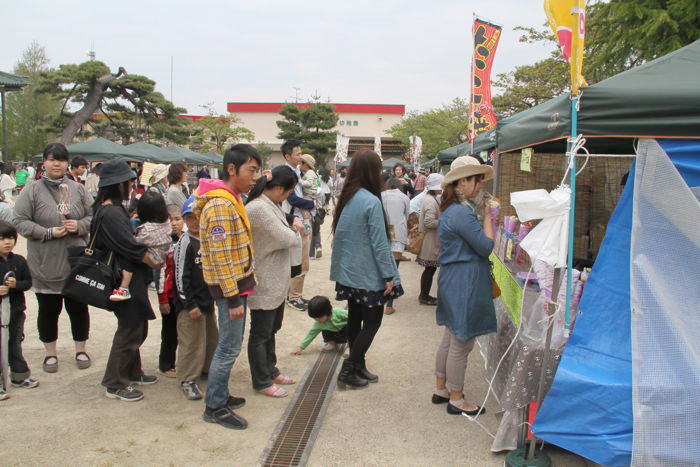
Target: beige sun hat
(159, 172)
(466, 166)
(309, 159)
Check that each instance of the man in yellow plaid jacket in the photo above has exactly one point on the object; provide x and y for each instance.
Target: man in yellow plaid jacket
(227, 266)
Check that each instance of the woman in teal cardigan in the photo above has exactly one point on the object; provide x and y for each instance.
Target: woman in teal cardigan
(465, 306)
(362, 265)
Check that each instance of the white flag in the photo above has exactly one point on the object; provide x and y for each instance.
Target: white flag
(341, 148)
(378, 145)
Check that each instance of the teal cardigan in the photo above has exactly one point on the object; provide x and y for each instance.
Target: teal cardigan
(361, 257)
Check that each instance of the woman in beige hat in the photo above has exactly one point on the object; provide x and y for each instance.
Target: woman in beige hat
(465, 306)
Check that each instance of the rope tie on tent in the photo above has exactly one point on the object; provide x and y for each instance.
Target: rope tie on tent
(578, 145)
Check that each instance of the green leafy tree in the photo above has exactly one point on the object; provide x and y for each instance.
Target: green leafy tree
(30, 114)
(220, 130)
(622, 34)
(530, 85)
(313, 126)
(265, 152)
(129, 102)
(439, 128)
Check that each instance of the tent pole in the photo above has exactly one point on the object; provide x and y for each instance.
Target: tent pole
(572, 214)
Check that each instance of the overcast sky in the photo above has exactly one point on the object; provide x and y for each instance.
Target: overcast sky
(408, 52)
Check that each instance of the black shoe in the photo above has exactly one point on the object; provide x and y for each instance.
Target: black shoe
(225, 417)
(348, 379)
(297, 304)
(127, 394)
(431, 301)
(439, 399)
(235, 402)
(144, 380)
(452, 410)
(362, 372)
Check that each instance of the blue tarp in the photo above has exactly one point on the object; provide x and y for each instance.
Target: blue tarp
(588, 410)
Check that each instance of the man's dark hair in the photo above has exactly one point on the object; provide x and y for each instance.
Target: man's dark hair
(57, 150)
(152, 208)
(238, 155)
(77, 161)
(175, 173)
(289, 145)
(7, 230)
(320, 306)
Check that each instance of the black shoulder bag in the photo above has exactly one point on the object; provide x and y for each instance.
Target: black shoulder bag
(92, 277)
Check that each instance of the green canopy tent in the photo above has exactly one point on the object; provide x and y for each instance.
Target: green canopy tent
(188, 156)
(101, 149)
(156, 154)
(215, 157)
(483, 142)
(659, 99)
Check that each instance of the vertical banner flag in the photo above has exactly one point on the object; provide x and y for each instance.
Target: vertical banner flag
(486, 36)
(378, 145)
(341, 148)
(562, 16)
(416, 143)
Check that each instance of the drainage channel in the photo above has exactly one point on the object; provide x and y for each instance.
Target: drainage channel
(293, 439)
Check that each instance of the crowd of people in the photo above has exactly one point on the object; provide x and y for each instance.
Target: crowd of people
(241, 245)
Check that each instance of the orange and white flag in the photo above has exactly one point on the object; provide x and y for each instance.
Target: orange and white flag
(567, 18)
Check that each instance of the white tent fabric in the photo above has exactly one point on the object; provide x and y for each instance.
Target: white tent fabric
(665, 300)
(549, 240)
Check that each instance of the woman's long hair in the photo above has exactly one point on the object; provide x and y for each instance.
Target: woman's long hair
(364, 172)
(281, 176)
(115, 193)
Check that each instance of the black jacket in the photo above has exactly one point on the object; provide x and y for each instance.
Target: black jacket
(190, 289)
(19, 266)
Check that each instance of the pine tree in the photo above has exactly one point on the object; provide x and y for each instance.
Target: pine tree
(311, 124)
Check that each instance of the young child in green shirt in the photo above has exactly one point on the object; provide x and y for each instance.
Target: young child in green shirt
(331, 322)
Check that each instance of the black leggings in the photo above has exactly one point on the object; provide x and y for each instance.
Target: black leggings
(426, 281)
(363, 324)
(50, 306)
(168, 339)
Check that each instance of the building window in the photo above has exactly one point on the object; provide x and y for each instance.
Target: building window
(342, 122)
(355, 123)
(348, 122)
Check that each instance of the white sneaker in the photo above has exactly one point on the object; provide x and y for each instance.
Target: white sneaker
(3, 395)
(27, 383)
(328, 346)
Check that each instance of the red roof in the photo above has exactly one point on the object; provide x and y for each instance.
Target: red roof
(275, 107)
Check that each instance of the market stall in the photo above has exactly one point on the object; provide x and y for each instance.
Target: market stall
(589, 409)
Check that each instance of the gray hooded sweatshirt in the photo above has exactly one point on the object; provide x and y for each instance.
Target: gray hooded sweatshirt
(36, 212)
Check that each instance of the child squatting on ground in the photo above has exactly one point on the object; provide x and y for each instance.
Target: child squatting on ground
(15, 276)
(331, 322)
(154, 232)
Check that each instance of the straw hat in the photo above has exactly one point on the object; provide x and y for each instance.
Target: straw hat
(309, 159)
(434, 182)
(159, 172)
(466, 166)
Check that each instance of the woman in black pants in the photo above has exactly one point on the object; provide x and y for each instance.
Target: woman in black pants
(362, 265)
(429, 221)
(53, 214)
(112, 231)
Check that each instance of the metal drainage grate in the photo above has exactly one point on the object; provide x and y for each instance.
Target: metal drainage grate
(294, 437)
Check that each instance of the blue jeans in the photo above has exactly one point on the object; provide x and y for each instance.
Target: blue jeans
(227, 349)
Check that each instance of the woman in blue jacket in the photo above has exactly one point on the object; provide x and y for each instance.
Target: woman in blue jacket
(362, 265)
(465, 306)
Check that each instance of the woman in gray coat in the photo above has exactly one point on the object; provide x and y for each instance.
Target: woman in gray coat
(53, 214)
(397, 207)
(428, 222)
